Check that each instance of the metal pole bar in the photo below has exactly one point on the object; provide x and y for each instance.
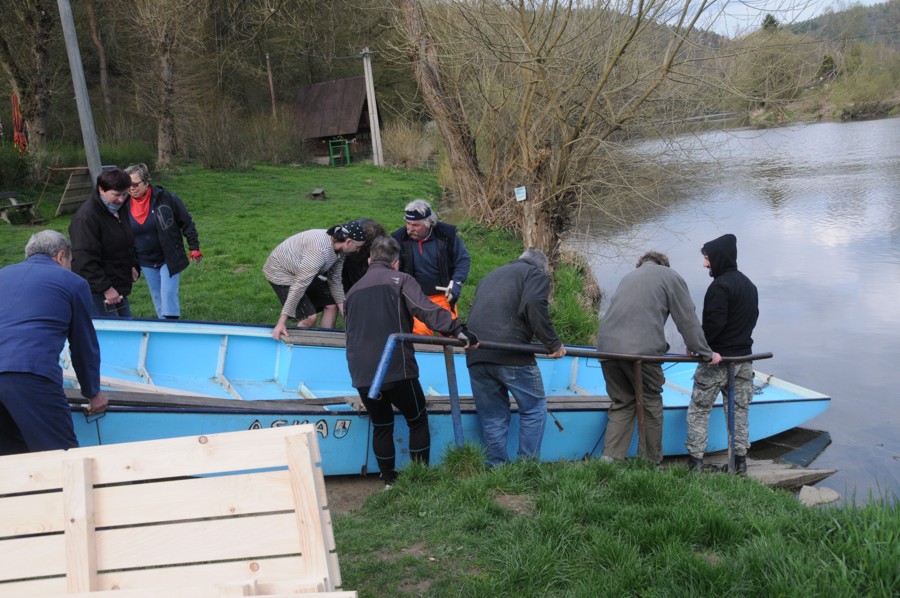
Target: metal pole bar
(639, 406)
(455, 412)
(381, 371)
(730, 418)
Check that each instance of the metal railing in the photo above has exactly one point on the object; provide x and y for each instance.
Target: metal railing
(535, 349)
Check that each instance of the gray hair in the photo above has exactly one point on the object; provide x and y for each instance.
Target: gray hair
(385, 250)
(47, 242)
(655, 257)
(422, 207)
(536, 258)
(141, 170)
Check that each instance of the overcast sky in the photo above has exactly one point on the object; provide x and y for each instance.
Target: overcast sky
(736, 17)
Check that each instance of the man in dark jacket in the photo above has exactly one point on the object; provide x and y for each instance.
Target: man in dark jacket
(103, 245)
(381, 303)
(433, 254)
(730, 311)
(511, 306)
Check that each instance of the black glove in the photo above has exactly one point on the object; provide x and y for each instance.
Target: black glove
(467, 337)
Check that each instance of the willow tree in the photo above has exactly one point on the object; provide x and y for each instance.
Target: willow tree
(538, 94)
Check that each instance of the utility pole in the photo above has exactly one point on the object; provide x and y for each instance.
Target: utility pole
(377, 155)
(271, 88)
(88, 133)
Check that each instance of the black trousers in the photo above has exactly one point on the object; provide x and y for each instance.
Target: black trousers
(407, 396)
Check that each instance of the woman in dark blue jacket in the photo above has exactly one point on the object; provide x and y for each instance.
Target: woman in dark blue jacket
(159, 219)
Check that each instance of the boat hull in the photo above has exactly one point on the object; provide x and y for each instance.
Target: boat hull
(211, 378)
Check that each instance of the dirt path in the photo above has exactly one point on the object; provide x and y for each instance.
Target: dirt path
(349, 492)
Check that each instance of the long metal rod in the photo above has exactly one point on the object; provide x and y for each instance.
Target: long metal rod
(455, 412)
(638, 360)
(730, 415)
(639, 406)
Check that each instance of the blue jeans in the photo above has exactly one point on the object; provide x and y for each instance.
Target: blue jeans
(163, 290)
(114, 310)
(491, 386)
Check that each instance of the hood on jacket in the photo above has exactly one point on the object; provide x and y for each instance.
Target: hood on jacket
(722, 254)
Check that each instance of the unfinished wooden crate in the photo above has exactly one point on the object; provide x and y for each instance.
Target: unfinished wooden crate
(236, 514)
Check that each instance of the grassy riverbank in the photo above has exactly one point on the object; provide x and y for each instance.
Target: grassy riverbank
(598, 529)
(242, 215)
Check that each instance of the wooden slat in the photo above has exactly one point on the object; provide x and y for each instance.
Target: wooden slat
(134, 461)
(197, 542)
(37, 556)
(209, 497)
(31, 514)
(196, 591)
(316, 539)
(78, 506)
(175, 577)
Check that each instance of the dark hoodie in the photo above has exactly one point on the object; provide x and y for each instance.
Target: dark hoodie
(731, 305)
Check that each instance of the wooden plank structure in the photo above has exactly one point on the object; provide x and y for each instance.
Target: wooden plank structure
(9, 202)
(236, 514)
(79, 187)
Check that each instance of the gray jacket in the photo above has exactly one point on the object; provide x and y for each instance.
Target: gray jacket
(637, 314)
(510, 306)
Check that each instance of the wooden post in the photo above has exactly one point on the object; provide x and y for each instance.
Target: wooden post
(377, 154)
(88, 133)
(271, 88)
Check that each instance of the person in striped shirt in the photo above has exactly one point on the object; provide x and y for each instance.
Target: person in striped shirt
(297, 267)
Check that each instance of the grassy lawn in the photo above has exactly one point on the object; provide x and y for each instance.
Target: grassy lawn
(242, 215)
(597, 529)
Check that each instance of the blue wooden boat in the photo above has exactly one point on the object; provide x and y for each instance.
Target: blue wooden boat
(167, 379)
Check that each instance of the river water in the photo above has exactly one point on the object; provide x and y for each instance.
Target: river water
(816, 211)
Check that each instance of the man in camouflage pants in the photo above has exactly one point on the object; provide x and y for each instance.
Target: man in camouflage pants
(730, 311)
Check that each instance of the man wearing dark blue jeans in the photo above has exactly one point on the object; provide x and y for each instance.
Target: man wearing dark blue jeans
(511, 306)
(44, 305)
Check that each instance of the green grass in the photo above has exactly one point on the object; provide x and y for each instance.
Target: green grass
(597, 529)
(242, 215)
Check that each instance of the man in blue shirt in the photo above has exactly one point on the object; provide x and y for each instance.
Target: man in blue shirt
(44, 304)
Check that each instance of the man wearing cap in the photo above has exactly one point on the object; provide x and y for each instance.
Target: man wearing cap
(294, 269)
(433, 254)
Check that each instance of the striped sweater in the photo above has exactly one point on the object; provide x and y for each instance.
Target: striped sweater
(298, 260)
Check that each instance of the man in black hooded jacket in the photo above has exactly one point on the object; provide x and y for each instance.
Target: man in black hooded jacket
(730, 311)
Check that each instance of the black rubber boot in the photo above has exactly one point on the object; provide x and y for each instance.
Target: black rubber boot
(695, 464)
(740, 464)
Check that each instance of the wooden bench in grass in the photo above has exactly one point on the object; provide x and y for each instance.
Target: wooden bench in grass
(236, 514)
(9, 202)
(317, 193)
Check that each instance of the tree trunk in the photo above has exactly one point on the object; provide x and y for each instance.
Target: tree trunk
(101, 59)
(165, 142)
(444, 107)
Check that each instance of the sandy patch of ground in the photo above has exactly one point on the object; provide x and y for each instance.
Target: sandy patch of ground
(348, 492)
